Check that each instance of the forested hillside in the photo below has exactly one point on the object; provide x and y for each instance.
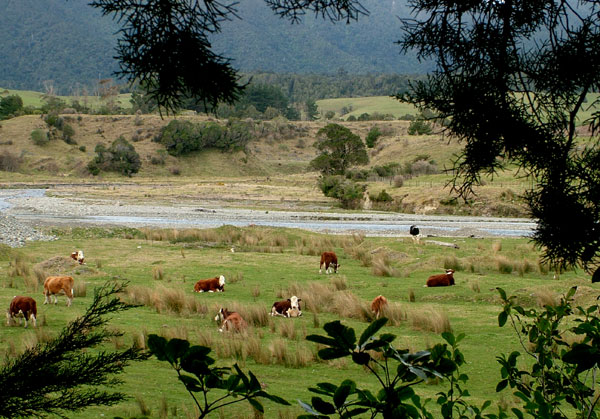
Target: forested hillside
(71, 45)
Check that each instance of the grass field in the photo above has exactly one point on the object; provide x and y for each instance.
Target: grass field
(270, 264)
(35, 99)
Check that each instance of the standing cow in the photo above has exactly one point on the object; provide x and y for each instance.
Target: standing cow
(230, 321)
(287, 308)
(329, 259)
(54, 285)
(441, 280)
(78, 256)
(22, 306)
(378, 304)
(216, 284)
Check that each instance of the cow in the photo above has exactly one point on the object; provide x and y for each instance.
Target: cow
(329, 259)
(378, 304)
(230, 321)
(53, 285)
(216, 284)
(287, 308)
(441, 280)
(25, 306)
(78, 256)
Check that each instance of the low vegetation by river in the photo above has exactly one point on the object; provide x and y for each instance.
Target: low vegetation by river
(269, 264)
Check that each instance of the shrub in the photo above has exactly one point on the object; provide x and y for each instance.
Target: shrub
(373, 136)
(119, 157)
(349, 193)
(9, 162)
(39, 137)
(419, 127)
(383, 196)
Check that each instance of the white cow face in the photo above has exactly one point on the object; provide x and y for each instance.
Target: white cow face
(221, 280)
(294, 302)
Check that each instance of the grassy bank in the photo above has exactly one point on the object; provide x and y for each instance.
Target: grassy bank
(267, 265)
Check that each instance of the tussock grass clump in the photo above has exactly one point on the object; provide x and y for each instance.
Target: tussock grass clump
(164, 299)
(543, 267)
(31, 283)
(144, 409)
(254, 315)
(179, 332)
(287, 329)
(497, 246)
(315, 245)
(346, 304)
(525, 267)
(452, 262)
(361, 254)
(382, 266)
(430, 319)
(79, 289)
(234, 278)
(157, 273)
(339, 283)
(545, 297)
(411, 296)
(40, 275)
(255, 292)
(257, 351)
(504, 265)
(395, 313)
(474, 285)
(19, 266)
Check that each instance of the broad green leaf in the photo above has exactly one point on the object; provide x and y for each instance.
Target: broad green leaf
(322, 406)
(176, 348)
(502, 318)
(272, 397)
(256, 404)
(502, 293)
(332, 353)
(501, 385)
(341, 394)
(157, 345)
(307, 408)
(190, 383)
(361, 358)
(370, 331)
(344, 335)
(324, 340)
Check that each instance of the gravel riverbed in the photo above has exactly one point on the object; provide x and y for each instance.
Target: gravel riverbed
(24, 214)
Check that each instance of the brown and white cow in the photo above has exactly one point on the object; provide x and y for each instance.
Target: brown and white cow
(329, 259)
(54, 285)
(378, 305)
(287, 308)
(22, 306)
(216, 284)
(230, 321)
(441, 280)
(78, 256)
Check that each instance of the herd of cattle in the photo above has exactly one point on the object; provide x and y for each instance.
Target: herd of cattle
(23, 307)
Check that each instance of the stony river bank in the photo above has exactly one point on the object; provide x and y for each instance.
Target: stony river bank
(24, 214)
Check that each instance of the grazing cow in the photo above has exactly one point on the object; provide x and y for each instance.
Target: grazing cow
(230, 321)
(287, 308)
(78, 256)
(53, 285)
(216, 284)
(414, 232)
(378, 304)
(441, 280)
(25, 306)
(329, 259)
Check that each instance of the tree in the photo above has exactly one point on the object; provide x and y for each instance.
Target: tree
(511, 78)
(10, 105)
(340, 149)
(61, 375)
(119, 157)
(312, 111)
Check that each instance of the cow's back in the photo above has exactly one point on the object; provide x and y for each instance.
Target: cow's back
(54, 284)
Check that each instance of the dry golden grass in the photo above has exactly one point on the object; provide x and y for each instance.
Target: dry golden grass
(157, 273)
(504, 265)
(545, 297)
(79, 288)
(474, 285)
(429, 319)
(19, 266)
(382, 266)
(497, 246)
(395, 313)
(164, 299)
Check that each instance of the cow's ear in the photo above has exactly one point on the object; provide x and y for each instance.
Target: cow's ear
(299, 299)
(289, 300)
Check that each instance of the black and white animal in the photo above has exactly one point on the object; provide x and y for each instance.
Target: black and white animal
(414, 232)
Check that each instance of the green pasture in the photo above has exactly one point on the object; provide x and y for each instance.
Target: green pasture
(35, 99)
(359, 105)
(265, 265)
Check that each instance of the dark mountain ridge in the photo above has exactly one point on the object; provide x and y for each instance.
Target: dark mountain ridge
(70, 46)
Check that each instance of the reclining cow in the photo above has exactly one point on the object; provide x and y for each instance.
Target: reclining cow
(287, 308)
(216, 284)
(230, 321)
(330, 261)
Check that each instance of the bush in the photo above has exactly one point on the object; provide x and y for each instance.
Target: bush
(39, 137)
(183, 137)
(10, 106)
(383, 196)
(349, 193)
(9, 162)
(419, 127)
(119, 157)
(373, 136)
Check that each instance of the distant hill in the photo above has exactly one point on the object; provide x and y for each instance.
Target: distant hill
(69, 43)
